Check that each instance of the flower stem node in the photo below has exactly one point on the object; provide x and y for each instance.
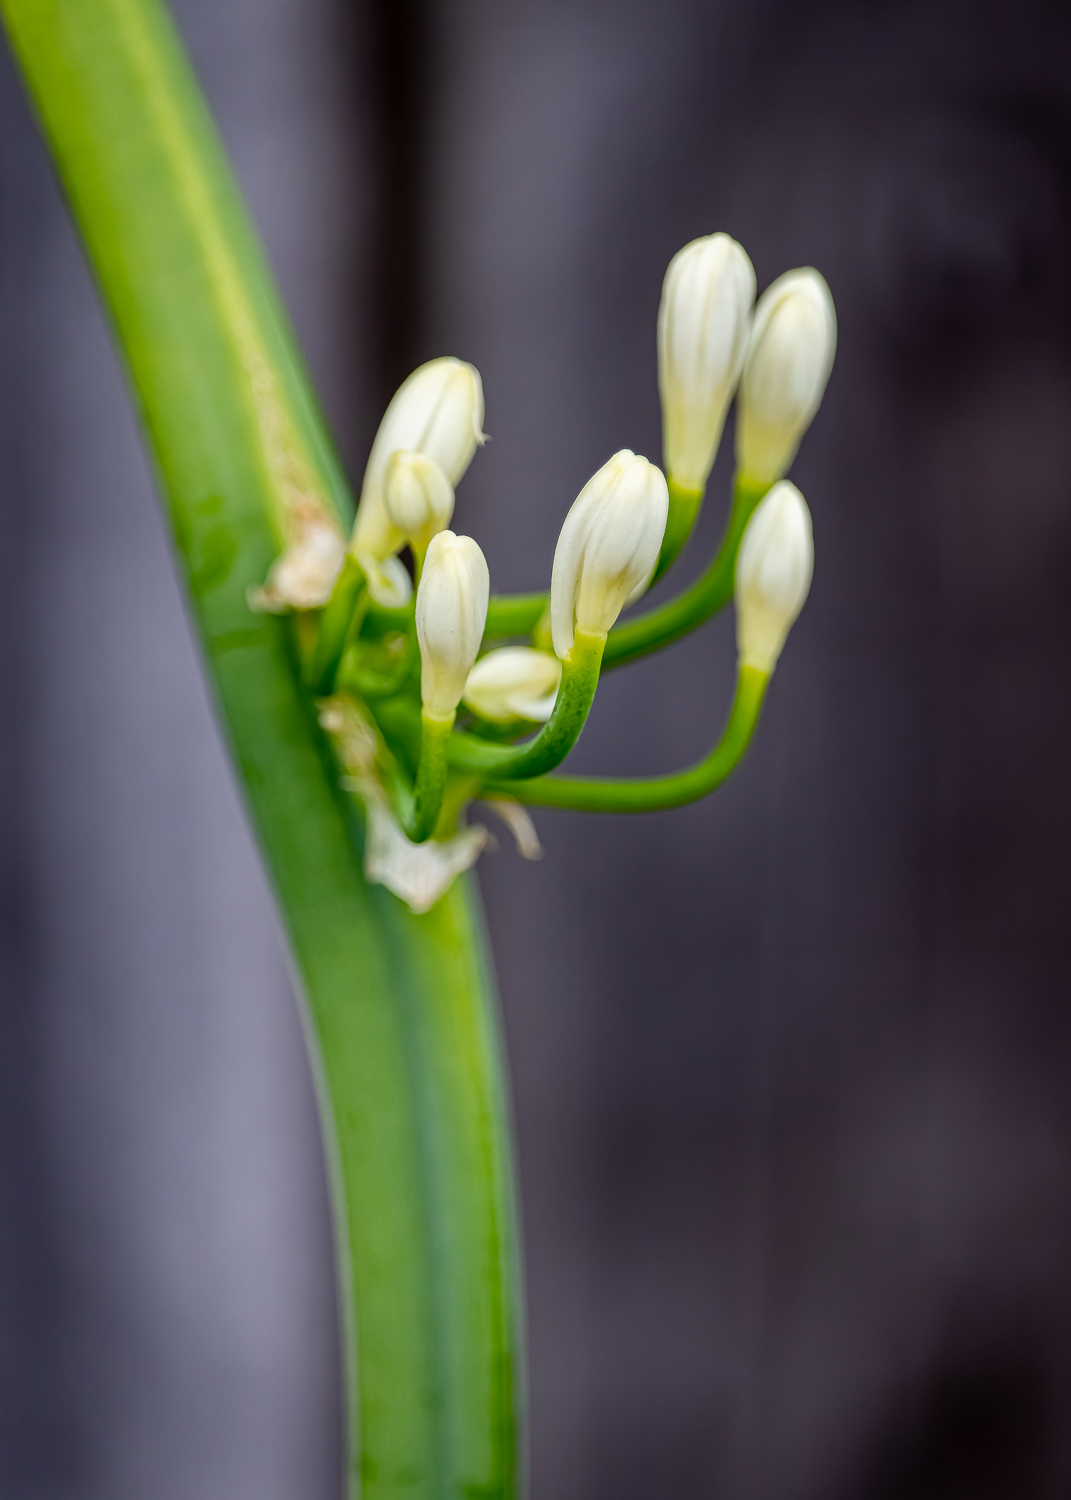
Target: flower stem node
(451, 610)
(437, 412)
(789, 357)
(418, 498)
(702, 339)
(607, 549)
(773, 575)
(514, 682)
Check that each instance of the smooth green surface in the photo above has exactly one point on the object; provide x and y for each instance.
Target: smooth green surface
(580, 678)
(654, 793)
(402, 1007)
(431, 777)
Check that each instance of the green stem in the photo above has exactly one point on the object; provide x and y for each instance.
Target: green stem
(431, 777)
(654, 793)
(684, 506)
(710, 592)
(580, 678)
(513, 614)
(340, 620)
(403, 1027)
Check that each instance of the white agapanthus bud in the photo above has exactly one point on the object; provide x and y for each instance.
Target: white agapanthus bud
(438, 412)
(789, 357)
(417, 496)
(514, 682)
(773, 575)
(451, 611)
(702, 340)
(388, 582)
(608, 547)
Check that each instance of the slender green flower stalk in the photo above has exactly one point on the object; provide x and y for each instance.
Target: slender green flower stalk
(364, 721)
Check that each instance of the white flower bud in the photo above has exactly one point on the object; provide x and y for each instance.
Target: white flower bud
(702, 340)
(789, 357)
(388, 582)
(514, 682)
(438, 411)
(773, 575)
(608, 547)
(417, 496)
(451, 611)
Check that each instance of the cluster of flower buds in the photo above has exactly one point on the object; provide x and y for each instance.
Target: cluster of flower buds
(454, 702)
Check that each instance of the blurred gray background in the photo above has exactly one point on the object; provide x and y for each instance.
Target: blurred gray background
(792, 1068)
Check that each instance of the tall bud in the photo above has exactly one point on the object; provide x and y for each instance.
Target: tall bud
(608, 547)
(702, 339)
(417, 496)
(451, 611)
(514, 682)
(438, 412)
(773, 575)
(789, 357)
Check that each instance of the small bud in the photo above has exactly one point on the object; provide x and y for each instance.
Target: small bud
(438, 411)
(451, 610)
(702, 340)
(773, 575)
(514, 682)
(388, 582)
(608, 547)
(417, 496)
(789, 357)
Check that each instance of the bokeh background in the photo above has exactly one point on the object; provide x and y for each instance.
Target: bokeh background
(792, 1068)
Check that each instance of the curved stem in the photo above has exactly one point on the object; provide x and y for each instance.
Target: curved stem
(580, 678)
(654, 793)
(711, 591)
(431, 778)
(403, 1026)
(684, 508)
(514, 614)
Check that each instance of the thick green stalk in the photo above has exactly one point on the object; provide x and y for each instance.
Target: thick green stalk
(402, 1007)
(620, 794)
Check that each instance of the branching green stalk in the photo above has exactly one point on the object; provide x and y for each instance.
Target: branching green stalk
(403, 1023)
(580, 678)
(653, 793)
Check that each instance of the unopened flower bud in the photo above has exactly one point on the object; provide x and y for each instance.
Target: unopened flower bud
(773, 575)
(438, 412)
(789, 357)
(702, 339)
(514, 682)
(608, 547)
(388, 581)
(417, 496)
(451, 610)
